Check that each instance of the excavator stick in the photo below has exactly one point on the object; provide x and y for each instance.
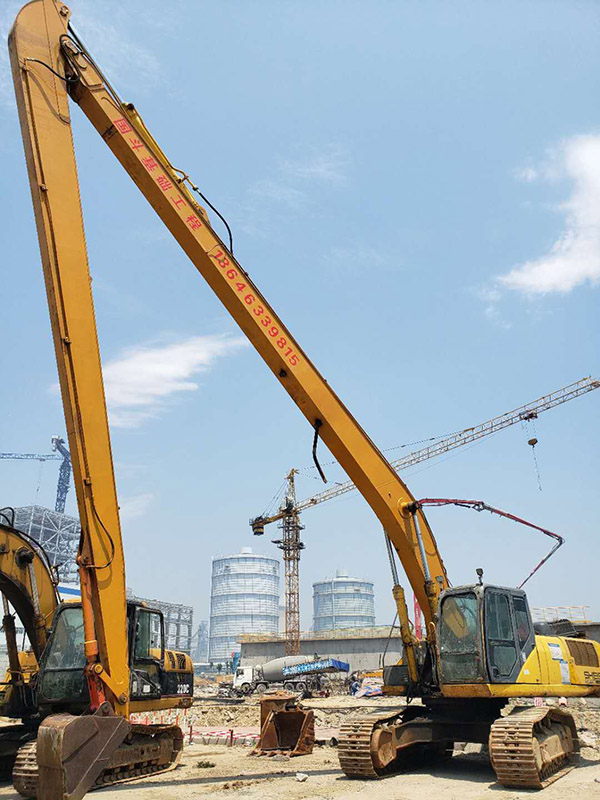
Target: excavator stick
(285, 726)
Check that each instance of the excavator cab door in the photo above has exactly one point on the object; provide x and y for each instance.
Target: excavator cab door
(509, 634)
(146, 652)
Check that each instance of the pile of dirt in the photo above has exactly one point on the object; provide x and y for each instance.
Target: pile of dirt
(244, 715)
(334, 717)
(329, 713)
(587, 718)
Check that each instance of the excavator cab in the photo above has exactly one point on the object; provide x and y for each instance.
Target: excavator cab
(485, 634)
(155, 671)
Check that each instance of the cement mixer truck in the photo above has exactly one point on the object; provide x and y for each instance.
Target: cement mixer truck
(295, 673)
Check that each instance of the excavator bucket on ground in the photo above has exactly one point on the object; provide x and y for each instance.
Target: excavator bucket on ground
(75, 754)
(73, 751)
(285, 726)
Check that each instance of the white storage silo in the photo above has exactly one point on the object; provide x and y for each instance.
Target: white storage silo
(244, 599)
(343, 602)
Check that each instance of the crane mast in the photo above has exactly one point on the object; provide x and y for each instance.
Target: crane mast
(291, 545)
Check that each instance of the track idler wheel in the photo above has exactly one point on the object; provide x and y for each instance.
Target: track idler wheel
(73, 751)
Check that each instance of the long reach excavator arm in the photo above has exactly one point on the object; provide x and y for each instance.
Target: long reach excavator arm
(50, 63)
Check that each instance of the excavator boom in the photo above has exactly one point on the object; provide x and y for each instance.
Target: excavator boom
(49, 61)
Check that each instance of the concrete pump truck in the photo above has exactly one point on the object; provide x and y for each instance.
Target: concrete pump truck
(481, 648)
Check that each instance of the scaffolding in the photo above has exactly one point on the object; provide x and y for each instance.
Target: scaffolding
(179, 621)
(57, 533)
(553, 613)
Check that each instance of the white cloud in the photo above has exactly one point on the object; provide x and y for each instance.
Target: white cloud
(134, 507)
(356, 258)
(491, 297)
(329, 165)
(574, 258)
(269, 201)
(526, 174)
(276, 192)
(113, 46)
(141, 380)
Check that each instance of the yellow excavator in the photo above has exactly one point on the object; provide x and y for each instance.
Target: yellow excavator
(480, 649)
(49, 676)
(28, 585)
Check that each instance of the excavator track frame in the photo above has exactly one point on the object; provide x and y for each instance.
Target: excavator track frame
(355, 747)
(529, 748)
(519, 742)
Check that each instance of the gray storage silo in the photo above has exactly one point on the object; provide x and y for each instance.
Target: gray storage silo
(244, 599)
(343, 602)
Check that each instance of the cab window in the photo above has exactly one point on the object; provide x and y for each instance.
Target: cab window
(502, 650)
(460, 640)
(522, 621)
(148, 636)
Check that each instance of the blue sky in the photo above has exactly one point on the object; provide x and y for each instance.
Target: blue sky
(416, 189)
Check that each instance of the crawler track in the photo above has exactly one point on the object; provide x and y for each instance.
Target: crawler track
(533, 747)
(144, 754)
(355, 749)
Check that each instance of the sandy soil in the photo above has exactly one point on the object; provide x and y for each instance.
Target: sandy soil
(236, 775)
(329, 711)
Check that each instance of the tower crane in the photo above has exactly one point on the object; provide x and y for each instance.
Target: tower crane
(288, 514)
(64, 471)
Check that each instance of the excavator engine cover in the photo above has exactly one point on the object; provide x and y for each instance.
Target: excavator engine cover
(285, 726)
(73, 751)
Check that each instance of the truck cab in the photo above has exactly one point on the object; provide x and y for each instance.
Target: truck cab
(243, 679)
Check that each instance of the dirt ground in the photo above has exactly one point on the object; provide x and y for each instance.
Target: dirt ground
(236, 776)
(231, 774)
(329, 711)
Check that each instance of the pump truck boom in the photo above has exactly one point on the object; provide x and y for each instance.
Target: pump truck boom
(481, 648)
